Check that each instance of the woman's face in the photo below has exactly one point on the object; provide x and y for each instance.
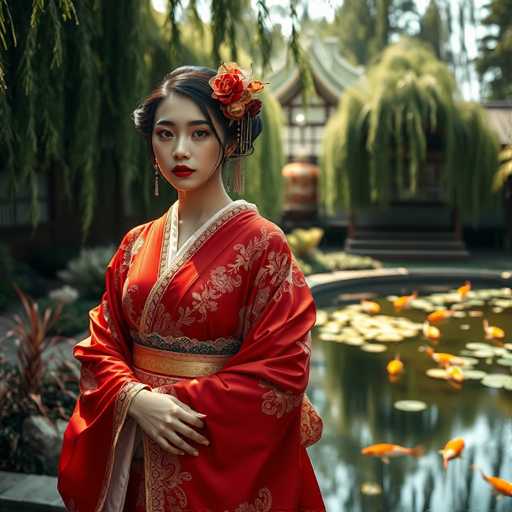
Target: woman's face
(184, 145)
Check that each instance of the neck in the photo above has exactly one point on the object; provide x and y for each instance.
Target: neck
(197, 206)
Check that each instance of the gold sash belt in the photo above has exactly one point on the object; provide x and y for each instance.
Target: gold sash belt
(176, 364)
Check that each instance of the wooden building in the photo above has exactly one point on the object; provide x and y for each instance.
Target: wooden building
(332, 74)
(305, 123)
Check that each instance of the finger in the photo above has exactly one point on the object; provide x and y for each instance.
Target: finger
(191, 433)
(189, 418)
(168, 447)
(187, 407)
(179, 443)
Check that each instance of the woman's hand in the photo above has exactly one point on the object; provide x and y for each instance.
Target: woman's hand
(165, 419)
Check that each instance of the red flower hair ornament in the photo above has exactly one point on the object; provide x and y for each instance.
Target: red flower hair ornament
(235, 90)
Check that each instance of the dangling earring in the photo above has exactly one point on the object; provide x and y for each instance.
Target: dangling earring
(157, 179)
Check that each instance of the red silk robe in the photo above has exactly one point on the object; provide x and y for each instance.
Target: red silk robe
(224, 325)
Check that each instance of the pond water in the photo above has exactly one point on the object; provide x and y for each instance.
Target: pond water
(351, 390)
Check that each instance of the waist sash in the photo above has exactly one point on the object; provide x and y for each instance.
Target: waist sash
(176, 364)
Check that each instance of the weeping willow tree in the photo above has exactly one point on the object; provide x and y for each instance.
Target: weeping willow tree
(376, 144)
(72, 72)
(68, 103)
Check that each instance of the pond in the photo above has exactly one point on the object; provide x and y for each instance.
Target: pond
(351, 389)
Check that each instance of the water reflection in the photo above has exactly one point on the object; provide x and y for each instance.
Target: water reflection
(351, 391)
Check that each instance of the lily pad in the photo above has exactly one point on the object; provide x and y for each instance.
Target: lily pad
(410, 405)
(475, 313)
(468, 353)
(389, 338)
(483, 354)
(370, 334)
(354, 341)
(497, 380)
(437, 373)
(503, 303)
(474, 374)
(465, 327)
(468, 361)
(376, 347)
(331, 327)
(340, 316)
(505, 361)
(477, 346)
(321, 317)
(329, 336)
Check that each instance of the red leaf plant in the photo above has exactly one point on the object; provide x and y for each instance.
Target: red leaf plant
(31, 331)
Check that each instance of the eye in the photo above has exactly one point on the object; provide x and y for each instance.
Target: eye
(201, 134)
(164, 134)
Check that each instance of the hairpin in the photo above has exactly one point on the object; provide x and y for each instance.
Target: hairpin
(234, 88)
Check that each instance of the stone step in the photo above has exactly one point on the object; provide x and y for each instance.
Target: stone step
(29, 493)
(409, 254)
(447, 245)
(362, 234)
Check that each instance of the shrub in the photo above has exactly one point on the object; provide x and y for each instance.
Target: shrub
(87, 272)
(304, 245)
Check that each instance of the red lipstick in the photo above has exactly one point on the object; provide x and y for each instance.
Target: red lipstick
(182, 171)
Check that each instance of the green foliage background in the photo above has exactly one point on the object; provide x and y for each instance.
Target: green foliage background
(73, 81)
(378, 138)
(71, 74)
(495, 61)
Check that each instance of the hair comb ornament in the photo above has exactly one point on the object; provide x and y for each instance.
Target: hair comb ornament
(235, 89)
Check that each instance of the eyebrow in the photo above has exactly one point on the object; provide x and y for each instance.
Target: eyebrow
(167, 122)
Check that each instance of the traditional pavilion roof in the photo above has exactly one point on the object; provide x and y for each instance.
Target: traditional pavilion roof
(332, 73)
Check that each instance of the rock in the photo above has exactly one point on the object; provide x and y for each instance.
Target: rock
(45, 439)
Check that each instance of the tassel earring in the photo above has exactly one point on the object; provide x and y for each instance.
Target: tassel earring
(238, 177)
(157, 179)
(244, 148)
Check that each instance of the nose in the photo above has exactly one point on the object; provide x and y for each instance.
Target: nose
(181, 151)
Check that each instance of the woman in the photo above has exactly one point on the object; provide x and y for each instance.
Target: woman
(192, 381)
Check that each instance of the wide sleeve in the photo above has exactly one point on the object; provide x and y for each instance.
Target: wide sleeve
(253, 405)
(97, 427)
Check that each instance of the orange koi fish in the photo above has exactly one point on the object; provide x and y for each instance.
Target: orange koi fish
(386, 450)
(500, 485)
(404, 301)
(442, 358)
(452, 449)
(370, 307)
(439, 315)
(455, 374)
(395, 367)
(430, 332)
(492, 332)
(464, 289)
